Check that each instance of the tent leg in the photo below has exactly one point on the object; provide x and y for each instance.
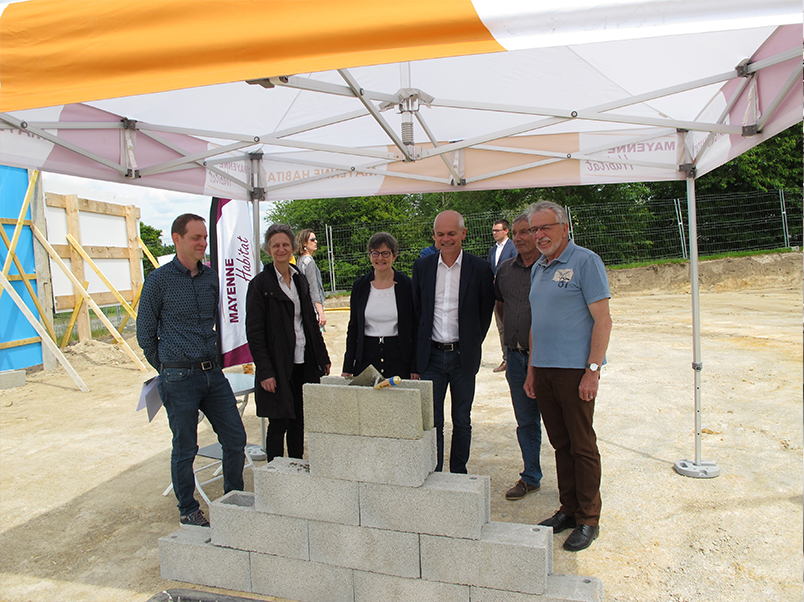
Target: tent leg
(699, 469)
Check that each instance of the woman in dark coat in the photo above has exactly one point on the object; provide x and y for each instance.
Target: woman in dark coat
(381, 322)
(285, 342)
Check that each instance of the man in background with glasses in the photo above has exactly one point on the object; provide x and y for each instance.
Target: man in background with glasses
(502, 250)
(570, 329)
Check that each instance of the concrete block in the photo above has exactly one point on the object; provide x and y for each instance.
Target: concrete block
(286, 487)
(300, 580)
(371, 587)
(394, 413)
(238, 525)
(507, 556)
(187, 555)
(405, 462)
(559, 588)
(424, 386)
(10, 379)
(375, 550)
(454, 505)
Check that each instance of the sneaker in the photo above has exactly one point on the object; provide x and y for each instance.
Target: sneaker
(500, 368)
(196, 518)
(520, 490)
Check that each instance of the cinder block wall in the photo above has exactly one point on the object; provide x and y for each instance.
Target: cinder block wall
(367, 520)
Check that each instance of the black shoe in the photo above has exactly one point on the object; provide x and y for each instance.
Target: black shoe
(195, 518)
(581, 538)
(559, 521)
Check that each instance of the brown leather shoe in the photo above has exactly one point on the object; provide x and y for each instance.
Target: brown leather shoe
(520, 490)
(500, 368)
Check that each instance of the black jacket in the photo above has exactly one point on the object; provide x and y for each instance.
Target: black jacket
(475, 306)
(272, 340)
(357, 320)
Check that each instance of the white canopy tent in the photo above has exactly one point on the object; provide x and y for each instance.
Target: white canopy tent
(294, 100)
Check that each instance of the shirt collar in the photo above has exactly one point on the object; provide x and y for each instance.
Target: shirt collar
(457, 261)
(183, 269)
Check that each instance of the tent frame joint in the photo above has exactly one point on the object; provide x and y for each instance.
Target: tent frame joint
(129, 124)
(257, 194)
(689, 169)
(750, 130)
(743, 69)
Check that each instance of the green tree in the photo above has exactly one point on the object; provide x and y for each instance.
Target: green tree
(153, 240)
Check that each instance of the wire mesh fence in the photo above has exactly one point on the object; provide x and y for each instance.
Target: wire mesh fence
(620, 233)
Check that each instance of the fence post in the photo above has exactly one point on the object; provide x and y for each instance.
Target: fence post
(680, 221)
(569, 221)
(330, 257)
(785, 230)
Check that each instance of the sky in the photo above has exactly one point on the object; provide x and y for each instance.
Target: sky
(158, 208)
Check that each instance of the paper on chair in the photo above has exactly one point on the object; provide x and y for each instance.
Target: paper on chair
(149, 397)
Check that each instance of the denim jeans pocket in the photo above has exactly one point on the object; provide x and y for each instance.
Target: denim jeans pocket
(175, 375)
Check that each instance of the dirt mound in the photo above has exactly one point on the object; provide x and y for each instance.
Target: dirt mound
(97, 353)
(729, 274)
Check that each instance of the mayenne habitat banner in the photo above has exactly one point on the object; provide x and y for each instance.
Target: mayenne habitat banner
(232, 255)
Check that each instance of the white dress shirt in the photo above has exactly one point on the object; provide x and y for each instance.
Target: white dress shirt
(447, 296)
(500, 246)
(293, 295)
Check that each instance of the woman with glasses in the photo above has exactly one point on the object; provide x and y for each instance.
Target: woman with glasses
(308, 245)
(285, 342)
(381, 324)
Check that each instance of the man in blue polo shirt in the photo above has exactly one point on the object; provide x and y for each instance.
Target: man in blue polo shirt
(175, 329)
(570, 329)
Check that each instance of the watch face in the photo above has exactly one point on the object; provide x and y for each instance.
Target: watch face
(594, 367)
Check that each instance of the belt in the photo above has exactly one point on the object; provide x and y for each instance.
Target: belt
(208, 365)
(522, 351)
(445, 346)
(381, 340)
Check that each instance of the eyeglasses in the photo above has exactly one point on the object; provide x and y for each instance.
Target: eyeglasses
(537, 229)
(376, 254)
(313, 240)
(495, 230)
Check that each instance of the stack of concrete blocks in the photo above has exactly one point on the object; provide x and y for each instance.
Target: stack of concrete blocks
(367, 519)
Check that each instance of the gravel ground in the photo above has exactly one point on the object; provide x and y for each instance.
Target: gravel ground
(81, 473)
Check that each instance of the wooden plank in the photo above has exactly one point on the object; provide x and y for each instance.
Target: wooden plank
(101, 275)
(19, 343)
(101, 316)
(38, 327)
(95, 252)
(10, 221)
(77, 265)
(26, 278)
(148, 253)
(60, 201)
(73, 317)
(18, 226)
(134, 253)
(65, 302)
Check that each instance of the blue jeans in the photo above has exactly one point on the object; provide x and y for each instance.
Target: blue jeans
(444, 368)
(528, 417)
(184, 392)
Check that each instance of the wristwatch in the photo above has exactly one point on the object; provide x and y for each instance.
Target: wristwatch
(593, 367)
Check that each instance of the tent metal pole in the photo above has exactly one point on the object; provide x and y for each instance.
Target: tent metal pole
(698, 469)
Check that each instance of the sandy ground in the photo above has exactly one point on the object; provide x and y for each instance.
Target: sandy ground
(81, 474)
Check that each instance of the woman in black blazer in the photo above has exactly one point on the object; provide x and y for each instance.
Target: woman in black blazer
(381, 323)
(285, 342)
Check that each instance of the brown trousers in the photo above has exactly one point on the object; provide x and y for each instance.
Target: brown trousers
(568, 421)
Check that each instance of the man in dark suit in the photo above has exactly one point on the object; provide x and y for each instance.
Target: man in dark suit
(453, 299)
(502, 249)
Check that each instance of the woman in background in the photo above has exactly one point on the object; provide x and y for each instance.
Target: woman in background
(308, 245)
(285, 341)
(381, 323)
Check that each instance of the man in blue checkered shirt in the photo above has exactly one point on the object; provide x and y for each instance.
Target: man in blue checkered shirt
(176, 323)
